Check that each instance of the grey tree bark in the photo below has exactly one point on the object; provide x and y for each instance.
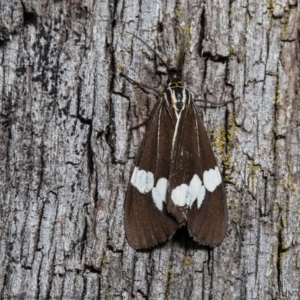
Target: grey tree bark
(67, 149)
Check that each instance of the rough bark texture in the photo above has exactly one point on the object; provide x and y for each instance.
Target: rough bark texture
(67, 150)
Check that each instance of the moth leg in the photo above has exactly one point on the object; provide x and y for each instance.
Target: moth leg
(140, 125)
(217, 104)
(141, 85)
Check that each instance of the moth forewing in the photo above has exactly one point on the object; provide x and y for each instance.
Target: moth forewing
(195, 193)
(147, 223)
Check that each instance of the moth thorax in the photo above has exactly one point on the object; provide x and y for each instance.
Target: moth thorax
(177, 95)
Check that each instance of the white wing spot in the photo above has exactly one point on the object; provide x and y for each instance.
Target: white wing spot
(180, 194)
(142, 180)
(212, 178)
(200, 196)
(186, 194)
(195, 185)
(197, 190)
(133, 176)
(159, 192)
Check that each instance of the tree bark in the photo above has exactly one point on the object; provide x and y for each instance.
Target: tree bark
(67, 150)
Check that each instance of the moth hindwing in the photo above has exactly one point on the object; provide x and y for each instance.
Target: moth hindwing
(176, 180)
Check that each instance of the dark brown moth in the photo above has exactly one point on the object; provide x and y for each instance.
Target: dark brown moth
(176, 181)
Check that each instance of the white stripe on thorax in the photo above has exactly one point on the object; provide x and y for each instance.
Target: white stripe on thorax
(178, 116)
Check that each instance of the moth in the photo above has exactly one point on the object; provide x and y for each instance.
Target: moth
(176, 180)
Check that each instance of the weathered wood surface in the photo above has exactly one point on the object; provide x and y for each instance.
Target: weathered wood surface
(67, 151)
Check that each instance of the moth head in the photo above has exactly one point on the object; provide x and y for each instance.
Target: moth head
(176, 94)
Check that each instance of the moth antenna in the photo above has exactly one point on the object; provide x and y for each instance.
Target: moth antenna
(181, 49)
(217, 104)
(141, 85)
(149, 47)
